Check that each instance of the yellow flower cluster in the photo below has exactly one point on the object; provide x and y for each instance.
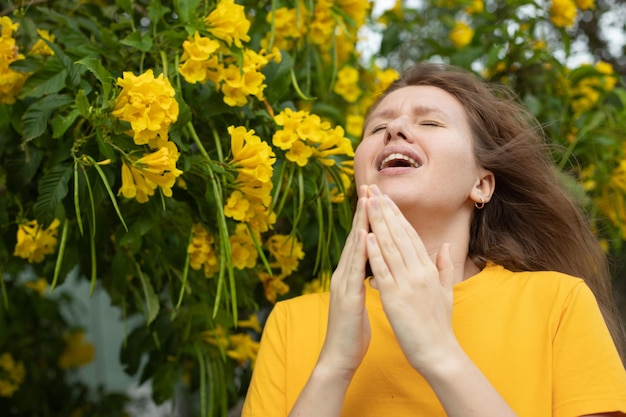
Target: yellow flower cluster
(273, 285)
(243, 250)
(11, 81)
(201, 252)
(34, 242)
(253, 159)
(587, 92)
(204, 59)
(461, 34)
(347, 84)
(477, 6)
(286, 252)
(141, 176)
(148, 104)
(77, 351)
(305, 136)
(289, 28)
(324, 23)
(240, 346)
(11, 375)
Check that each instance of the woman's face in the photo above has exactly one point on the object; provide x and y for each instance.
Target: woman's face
(417, 147)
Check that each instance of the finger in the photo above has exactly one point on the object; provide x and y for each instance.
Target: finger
(382, 274)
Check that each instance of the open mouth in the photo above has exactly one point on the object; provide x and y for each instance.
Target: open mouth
(398, 160)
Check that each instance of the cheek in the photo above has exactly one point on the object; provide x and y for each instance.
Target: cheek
(361, 163)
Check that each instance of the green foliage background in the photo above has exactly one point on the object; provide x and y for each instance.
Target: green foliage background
(60, 125)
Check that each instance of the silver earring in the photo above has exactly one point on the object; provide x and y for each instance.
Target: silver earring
(480, 205)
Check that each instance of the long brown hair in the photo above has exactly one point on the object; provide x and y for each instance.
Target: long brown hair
(531, 222)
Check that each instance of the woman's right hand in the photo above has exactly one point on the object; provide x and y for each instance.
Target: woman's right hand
(348, 333)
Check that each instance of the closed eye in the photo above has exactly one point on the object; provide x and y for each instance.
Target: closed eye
(431, 123)
(378, 128)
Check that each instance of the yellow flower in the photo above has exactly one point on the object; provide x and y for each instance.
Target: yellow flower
(11, 375)
(244, 252)
(299, 153)
(237, 206)
(216, 337)
(228, 22)
(34, 242)
(148, 104)
(200, 62)
(38, 286)
(354, 125)
(11, 81)
(287, 28)
(586, 4)
(245, 349)
(40, 47)
(347, 85)
(477, 6)
(251, 156)
(142, 176)
(201, 252)
(357, 10)
(273, 286)
(563, 13)
(323, 25)
(77, 351)
(286, 251)
(251, 323)
(461, 34)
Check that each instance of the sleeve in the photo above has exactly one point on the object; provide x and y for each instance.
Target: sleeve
(588, 374)
(266, 394)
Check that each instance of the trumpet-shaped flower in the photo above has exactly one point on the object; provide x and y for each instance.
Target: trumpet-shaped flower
(148, 104)
(140, 177)
(34, 242)
(299, 153)
(251, 156)
(228, 22)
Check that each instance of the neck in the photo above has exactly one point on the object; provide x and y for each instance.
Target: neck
(435, 230)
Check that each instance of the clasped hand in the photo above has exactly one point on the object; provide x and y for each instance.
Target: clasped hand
(416, 292)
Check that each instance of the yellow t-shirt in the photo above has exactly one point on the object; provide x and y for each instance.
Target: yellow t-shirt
(538, 337)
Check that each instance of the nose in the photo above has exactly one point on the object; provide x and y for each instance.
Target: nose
(397, 129)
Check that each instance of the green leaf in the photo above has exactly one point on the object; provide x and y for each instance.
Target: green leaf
(82, 104)
(186, 9)
(138, 41)
(35, 118)
(52, 189)
(72, 70)
(95, 66)
(152, 301)
(60, 124)
(49, 80)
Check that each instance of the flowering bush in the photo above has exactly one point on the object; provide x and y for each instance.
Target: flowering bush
(194, 159)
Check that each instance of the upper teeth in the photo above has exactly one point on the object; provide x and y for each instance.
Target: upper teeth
(395, 156)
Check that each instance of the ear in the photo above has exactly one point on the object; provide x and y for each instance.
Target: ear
(484, 187)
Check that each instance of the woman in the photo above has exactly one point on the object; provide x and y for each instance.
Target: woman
(474, 308)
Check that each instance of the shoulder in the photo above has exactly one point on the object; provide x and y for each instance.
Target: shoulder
(301, 311)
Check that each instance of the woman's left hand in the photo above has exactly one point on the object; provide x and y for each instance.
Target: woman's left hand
(416, 293)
